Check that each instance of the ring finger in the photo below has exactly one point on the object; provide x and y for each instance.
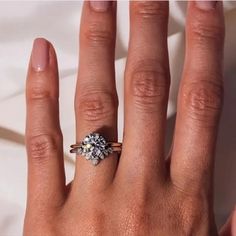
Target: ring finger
(96, 99)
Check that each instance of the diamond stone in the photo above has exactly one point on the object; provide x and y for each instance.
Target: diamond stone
(94, 147)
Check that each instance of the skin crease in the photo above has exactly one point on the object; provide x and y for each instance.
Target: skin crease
(139, 193)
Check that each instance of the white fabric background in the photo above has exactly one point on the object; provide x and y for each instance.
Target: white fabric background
(20, 23)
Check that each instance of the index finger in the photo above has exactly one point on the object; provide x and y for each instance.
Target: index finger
(46, 178)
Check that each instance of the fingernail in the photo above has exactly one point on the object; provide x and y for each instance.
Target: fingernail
(100, 6)
(206, 5)
(40, 54)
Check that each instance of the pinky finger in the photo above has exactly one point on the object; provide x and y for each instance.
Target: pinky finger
(229, 229)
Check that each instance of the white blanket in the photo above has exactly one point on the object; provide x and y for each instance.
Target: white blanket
(20, 23)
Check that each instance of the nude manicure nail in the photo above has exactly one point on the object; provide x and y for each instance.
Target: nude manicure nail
(100, 6)
(206, 5)
(40, 54)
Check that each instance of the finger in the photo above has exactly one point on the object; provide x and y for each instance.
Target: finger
(46, 179)
(200, 98)
(146, 91)
(96, 97)
(229, 229)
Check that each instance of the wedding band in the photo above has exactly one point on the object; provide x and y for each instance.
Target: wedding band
(95, 148)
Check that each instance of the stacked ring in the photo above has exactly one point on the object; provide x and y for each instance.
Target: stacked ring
(95, 148)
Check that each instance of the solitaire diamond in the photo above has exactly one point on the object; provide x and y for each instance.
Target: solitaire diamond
(94, 147)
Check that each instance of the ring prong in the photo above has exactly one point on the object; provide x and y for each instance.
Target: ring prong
(95, 162)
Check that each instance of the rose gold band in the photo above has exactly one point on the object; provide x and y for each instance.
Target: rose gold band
(116, 147)
(111, 144)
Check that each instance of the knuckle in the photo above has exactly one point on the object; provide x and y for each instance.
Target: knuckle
(97, 106)
(192, 208)
(194, 214)
(41, 147)
(94, 221)
(99, 34)
(92, 217)
(136, 219)
(202, 31)
(149, 88)
(38, 93)
(31, 225)
(151, 9)
(203, 100)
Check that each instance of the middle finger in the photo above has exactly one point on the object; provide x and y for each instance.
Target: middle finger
(146, 92)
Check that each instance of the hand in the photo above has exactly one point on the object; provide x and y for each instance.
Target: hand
(140, 192)
(229, 229)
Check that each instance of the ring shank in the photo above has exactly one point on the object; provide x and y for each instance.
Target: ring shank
(116, 147)
(111, 144)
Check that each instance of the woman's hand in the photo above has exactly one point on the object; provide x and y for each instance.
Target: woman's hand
(142, 192)
(230, 227)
